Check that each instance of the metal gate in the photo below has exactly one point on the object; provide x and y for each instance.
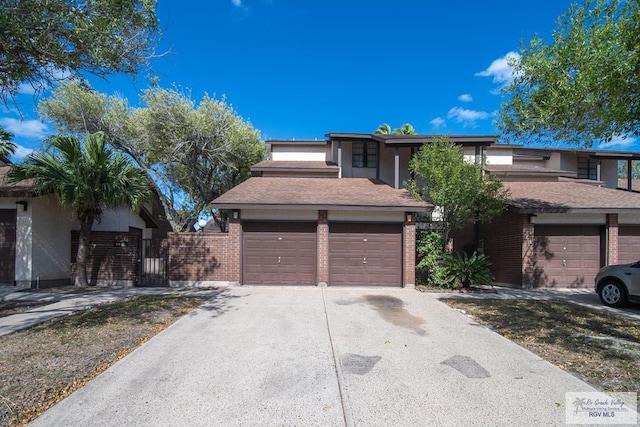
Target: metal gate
(153, 264)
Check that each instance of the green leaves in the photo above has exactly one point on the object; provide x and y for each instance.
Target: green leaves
(7, 147)
(42, 40)
(193, 152)
(88, 177)
(584, 86)
(459, 189)
(467, 270)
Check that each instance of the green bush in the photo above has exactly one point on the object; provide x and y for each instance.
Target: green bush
(430, 251)
(461, 269)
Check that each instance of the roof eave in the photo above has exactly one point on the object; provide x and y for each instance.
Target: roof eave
(321, 207)
(568, 209)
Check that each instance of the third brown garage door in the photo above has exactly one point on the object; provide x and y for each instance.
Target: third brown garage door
(567, 256)
(628, 244)
(278, 253)
(365, 254)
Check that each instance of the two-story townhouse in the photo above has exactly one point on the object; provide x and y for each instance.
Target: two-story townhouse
(566, 216)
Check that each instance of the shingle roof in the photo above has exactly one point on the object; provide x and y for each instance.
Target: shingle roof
(318, 193)
(568, 196)
(289, 165)
(18, 189)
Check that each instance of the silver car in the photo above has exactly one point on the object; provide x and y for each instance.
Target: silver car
(618, 284)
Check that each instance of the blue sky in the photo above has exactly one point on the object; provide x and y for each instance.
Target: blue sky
(300, 69)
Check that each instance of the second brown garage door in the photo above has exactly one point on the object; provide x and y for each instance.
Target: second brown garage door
(276, 253)
(365, 254)
(628, 244)
(566, 256)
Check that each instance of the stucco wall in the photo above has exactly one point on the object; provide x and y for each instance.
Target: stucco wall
(499, 156)
(609, 173)
(118, 220)
(365, 216)
(300, 152)
(559, 218)
(629, 219)
(387, 164)
(278, 215)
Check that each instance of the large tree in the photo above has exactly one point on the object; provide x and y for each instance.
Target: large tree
(582, 87)
(42, 40)
(87, 177)
(459, 189)
(192, 152)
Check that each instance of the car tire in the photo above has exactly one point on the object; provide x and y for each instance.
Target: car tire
(612, 293)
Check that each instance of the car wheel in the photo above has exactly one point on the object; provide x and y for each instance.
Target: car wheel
(612, 293)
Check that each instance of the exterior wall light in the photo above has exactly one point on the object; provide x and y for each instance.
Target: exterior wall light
(532, 219)
(22, 203)
(409, 217)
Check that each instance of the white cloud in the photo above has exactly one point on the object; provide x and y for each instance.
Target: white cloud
(26, 89)
(438, 123)
(618, 141)
(237, 3)
(467, 117)
(34, 129)
(500, 69)
(21, 152)
(465, 97)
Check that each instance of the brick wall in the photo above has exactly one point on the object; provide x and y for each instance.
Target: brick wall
(204, 257)
(612, 244)
(112, 256)
(409, 256)
(323, 247)
(504, 239)
(462, 237)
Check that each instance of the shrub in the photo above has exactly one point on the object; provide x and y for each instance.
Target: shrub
(430, 251)
(465, 270)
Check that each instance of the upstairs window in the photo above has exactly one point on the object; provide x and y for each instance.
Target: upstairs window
(587, 168)
(365, 154)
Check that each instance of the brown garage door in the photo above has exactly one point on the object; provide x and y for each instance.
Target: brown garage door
(365, 254)
(275, 253)
(7, 245)
(628, 244)
(566, 256)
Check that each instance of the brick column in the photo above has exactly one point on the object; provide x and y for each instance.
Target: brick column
(409, 256)
(528, 252)
(612, 239)
(322, 237)
(235, 241)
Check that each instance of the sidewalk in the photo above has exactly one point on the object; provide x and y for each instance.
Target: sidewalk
(584, 297)
(63, 304)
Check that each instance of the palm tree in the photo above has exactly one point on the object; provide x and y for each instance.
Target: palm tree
(406, 129)
(88, 177)
(385, 129)
(6, 146)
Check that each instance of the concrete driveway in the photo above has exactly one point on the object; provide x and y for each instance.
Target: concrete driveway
(326, 357)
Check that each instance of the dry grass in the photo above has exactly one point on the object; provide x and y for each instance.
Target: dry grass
(601, 348)
(42, 365)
